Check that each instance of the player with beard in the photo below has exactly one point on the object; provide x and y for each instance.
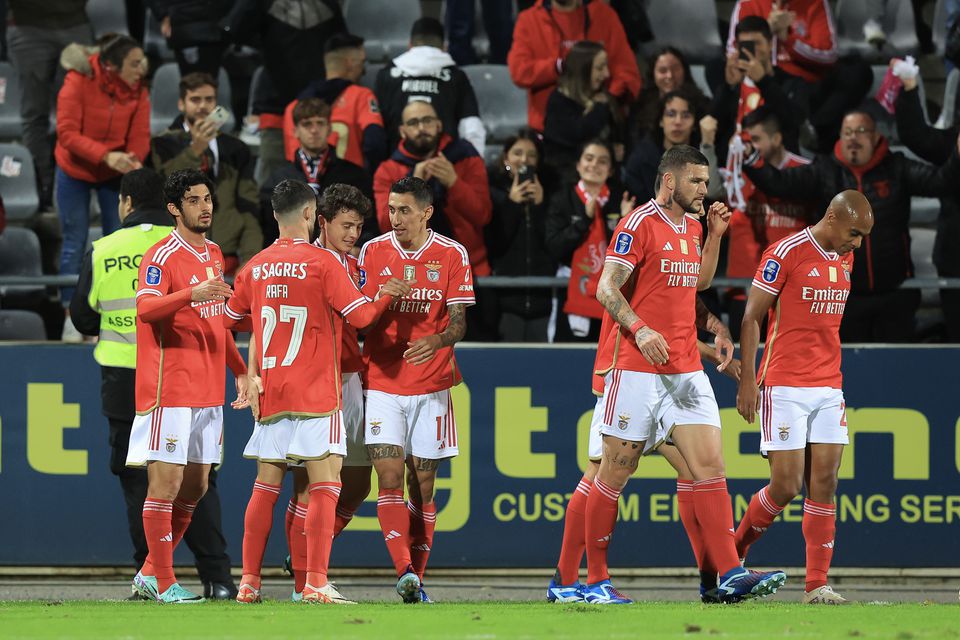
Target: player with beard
(178, 430)
(652, 371)
(454, 172)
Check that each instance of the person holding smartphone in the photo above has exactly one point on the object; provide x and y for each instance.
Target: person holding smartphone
(516, 238)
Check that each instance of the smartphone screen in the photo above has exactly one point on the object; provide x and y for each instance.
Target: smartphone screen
(218, 116)
(524, 173)
(747, 46)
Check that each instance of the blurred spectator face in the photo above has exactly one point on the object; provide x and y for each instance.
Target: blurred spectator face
(768, 144)
(342, 233)
(356, 64)
(677, 122)
(859, 138)
(312, 133)
(523, 152)
(594, 164)
(134, 67)
(668, 73)
(599, 72)
(420, 128)
(196, 209)
(760, 43)
(198, 103)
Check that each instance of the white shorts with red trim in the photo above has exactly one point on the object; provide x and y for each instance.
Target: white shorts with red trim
(595, 444)
(357, 455)
(792, 417)
(177, 435)
(269, 442)
(424, 425)
(636, 404)
(315, 438)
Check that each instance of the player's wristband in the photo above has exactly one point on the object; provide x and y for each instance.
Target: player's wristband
(636, 326)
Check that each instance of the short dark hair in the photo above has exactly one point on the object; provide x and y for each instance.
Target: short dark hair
(195, 80)
(678, 157)
(861, 111)
(753, 24)
(764, 116)
(427, 32)
(114, 48)
(338, 197)
(596, 142)
(181, 181)
(420, 190)
(341, 41)
(310, 108)
(144, 187)
(290, 196)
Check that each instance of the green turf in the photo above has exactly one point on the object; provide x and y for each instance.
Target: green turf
(479, 620)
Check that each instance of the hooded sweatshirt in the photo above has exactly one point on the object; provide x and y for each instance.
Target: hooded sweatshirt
(430, 74)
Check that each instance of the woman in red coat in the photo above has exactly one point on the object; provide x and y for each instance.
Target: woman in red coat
(103, 131)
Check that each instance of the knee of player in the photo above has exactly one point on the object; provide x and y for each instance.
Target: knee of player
(785, 487)
(390, 479)
(823, 486)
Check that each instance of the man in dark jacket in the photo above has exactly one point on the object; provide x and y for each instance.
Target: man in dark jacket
(427, 72)
(194, 29)
(193, 142)
(143, 220)
(877, 309)
(314, 163)
(936, 145)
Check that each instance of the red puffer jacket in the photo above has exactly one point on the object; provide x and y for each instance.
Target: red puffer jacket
(97, 114)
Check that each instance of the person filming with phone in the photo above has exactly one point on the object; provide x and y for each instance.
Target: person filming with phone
(196, 140)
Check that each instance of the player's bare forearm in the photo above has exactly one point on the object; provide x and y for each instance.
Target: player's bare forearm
(234, 359)
(253, 363)
(707, 352)
(458, 325)
(708, 261)
(709, 322)
(758, 304)
(608, 294)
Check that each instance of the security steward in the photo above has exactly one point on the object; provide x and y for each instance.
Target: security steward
(105, 306)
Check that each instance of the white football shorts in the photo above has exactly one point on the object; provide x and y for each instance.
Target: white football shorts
(792, 417)
(352, 403)
(424, 425)
(177, 435)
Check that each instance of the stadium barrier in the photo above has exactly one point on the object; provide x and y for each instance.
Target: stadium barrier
(522, 420)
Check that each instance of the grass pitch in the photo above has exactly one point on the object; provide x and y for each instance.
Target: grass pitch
(282, 620)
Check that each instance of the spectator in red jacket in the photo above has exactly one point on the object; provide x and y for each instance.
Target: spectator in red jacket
(544, 34)
(455, 172)
(805, 46)
(103, 131)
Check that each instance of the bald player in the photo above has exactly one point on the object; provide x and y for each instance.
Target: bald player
(803, 282)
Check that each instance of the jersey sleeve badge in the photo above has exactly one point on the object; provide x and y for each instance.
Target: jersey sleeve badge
(153, 275)
(771, 270)
(623, 243)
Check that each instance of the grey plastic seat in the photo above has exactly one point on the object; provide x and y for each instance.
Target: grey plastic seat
(383, 24)
(107, 16)
(898, 23)
(166, 92)
(503, 105)
(21, 325)
(698, 73)
(10, 123)
(20, 256)
(689, 25)
(18, 181)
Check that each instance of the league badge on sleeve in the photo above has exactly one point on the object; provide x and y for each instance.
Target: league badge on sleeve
(363, 277)
(770, 270)
(623, 243)
(153, 275)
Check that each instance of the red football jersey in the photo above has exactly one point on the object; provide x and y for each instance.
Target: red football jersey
(173, 354)
(351, 361)
(441, 268)
(765, 221)
(665, 260)
(297, 295)
(803, 330)
(354, 110)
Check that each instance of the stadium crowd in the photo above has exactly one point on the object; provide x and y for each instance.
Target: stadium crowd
(786, 118)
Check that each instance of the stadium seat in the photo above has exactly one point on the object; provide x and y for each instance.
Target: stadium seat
(948, 114)
(107, 16)
(165, 93)
(21, 325)
(10, 125)
(20, 256)
(18, 181)
(689, 25)
(503, 105)
(383, 24)
(154, 44)
(898, 24)
(939, 27)
(698, 73)
(370, 76)
(921, 251)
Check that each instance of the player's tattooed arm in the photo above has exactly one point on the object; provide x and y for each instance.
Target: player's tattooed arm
(381, 451)
(609, 295)
(458, 325)
(423, 349)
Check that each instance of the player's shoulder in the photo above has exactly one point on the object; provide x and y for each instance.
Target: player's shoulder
(161, 252)
(374, 246)
(452, 249)
(789, 247)
(639, 217)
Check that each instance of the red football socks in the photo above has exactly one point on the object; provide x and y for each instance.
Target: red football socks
(819, 529)
(712, 505)
(758, 518)
(158, 529)
(344, 516)
(319, 529)
(256, 526)
(423, 521)
(395, 524)
(298, 547)
(574, 534)
(182, 514)
(601, 516)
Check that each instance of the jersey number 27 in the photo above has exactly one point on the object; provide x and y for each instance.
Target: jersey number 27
(297, 315)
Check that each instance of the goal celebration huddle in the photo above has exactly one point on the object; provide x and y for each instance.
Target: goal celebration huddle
(333, 412)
